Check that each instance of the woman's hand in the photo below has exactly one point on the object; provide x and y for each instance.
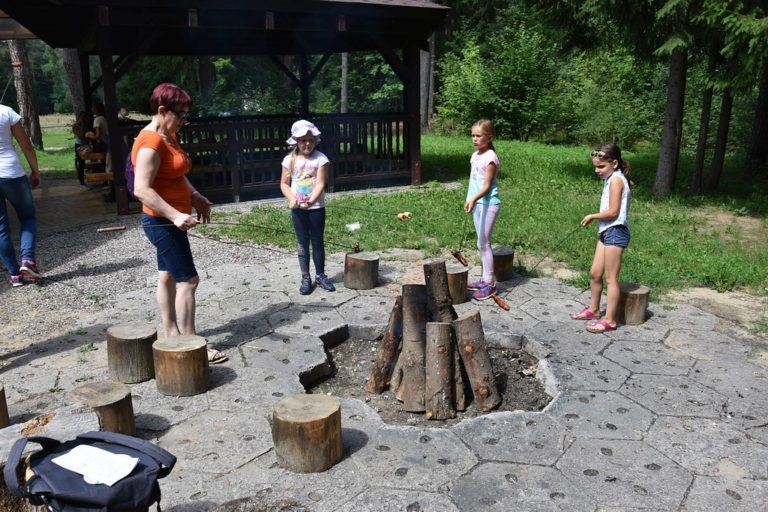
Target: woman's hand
(202, 207)
(469, 205)
(185, 222)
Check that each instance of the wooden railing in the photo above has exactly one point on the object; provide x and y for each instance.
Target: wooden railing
(236, 156)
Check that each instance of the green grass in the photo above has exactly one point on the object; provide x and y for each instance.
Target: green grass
(546, 191)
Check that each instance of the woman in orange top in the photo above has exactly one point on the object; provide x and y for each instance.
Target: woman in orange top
(161, 184)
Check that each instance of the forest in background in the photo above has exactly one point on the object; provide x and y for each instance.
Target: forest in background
(678, 77)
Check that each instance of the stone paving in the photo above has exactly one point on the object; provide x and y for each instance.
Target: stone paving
(668, 415)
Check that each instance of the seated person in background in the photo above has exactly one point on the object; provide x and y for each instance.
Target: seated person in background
(78, 130)
(99, 137)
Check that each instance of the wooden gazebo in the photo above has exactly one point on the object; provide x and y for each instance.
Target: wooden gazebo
(237, 155)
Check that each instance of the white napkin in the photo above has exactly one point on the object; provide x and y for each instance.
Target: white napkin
(96, 465)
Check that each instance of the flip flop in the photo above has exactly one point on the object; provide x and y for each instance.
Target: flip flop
(216, 357)
(585, 314)
(600, 326)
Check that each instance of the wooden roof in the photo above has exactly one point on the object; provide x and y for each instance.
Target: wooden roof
(229, 27)
(12, 29)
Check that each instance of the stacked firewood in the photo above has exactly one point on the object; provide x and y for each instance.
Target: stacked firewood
(428, 353)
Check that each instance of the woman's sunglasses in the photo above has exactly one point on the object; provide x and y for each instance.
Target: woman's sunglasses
(599, 154)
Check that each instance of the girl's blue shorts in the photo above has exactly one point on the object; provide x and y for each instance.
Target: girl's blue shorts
(615, 235)
(174, 255)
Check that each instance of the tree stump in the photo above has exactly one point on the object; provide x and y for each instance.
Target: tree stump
(111, 401)
(458, 279)
(633, 303)
(381, 373)
(4, 419)
(439, 371)
(129, 352)
(414, 340)
(181, 365)
(472, 349)
(306, 431)
(361, 270)
(503, 262)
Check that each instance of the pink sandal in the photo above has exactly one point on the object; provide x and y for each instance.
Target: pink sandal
(600, 326)
(585, 314)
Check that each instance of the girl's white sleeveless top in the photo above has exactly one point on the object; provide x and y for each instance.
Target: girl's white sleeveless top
(605, 201)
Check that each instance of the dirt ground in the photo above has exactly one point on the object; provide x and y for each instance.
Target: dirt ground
(515, 377)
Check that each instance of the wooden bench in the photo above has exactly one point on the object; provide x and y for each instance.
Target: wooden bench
(99, 177)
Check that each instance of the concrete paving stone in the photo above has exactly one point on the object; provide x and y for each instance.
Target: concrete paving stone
(709, 447)
(278, 276)
(706, 345)
(749, 414)
(732, 377)
(192, 490)
(157, 413)
(681, 316)
(709, 494)
(223, 327)
(540, 287)
(551, 309)
(621, 473)
(387, 500)
(514, 297)
(646, 332)
(674, 396)
(519, 436)
(586, 371)
(600, 414)
(420, 459)
(503, 487)
(215, 442)
(306, 319)
(651, 358)
(297, 354)
(316, 492)
(499, 323)
(368, 313)
(562, 338)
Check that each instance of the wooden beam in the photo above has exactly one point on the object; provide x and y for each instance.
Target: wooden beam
(412, 106)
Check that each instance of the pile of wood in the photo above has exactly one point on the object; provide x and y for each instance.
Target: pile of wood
(428, 353)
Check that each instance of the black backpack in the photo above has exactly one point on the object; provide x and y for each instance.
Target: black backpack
(62, 490)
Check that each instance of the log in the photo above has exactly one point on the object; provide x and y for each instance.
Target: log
(633, 303)
(477, 362)
(414, 340)
(458, 279)
(503, 262)
(5, 420)
(381, 372)
(439, 371)
(439, 307)
(181, 365)
(111, 401)
(129, 352)
(306, 431)
(361, 270)
(459, 382)
(396, 382)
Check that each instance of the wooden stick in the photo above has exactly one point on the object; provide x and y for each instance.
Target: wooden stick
(112, 228)
(381, 372)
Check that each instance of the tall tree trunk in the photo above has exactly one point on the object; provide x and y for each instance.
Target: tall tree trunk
(25, 96)
(206, 74)
(71, 61)
(669, 150)
(344, 96)
(716, 166)
(758, 144)
(706, 110)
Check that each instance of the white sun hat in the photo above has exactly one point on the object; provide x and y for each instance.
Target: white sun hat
(300, 128)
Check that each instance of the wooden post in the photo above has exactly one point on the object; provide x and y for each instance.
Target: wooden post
(439, 308)
(306, 431)
(388, 348)
(5, 420)
(503, 262)
(439, 371)
(472, 349)
(414, 340)
(181, 365)
(129, 352)
(458, 277)
(633, 303)
(361, 270)
(111, 401)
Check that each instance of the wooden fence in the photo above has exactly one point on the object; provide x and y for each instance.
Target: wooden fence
(234, 156)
